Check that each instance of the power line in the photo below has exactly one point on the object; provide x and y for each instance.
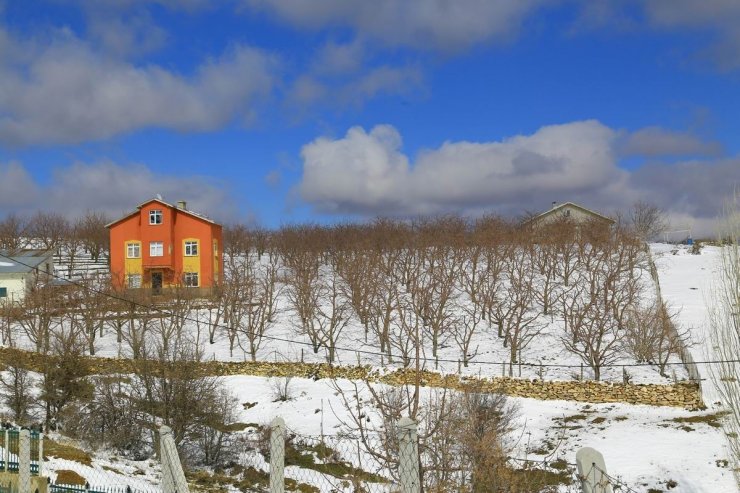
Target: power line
(362, 351)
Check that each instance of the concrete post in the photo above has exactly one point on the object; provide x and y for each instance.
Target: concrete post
(592, 470)
(7, 450)
(173, 477)
(41, 454)
(408, 456)
(24, 462)
(277, 456)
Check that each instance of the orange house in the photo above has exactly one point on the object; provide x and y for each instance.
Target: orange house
(160, 245)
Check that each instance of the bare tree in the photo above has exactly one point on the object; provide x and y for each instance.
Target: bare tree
(465, 329)
(384, 302)
(331, 315)
(72, 246)
(15, 385)
(520, 322)
(595, 307)
(724, 318)
(260, 296)
(652, 335)
(169, 322)
(13, 232)
(89, 306)
(40, 314)
(236, 241)
(49, 229)
(304, 294)
(95, 238)
(647, 220)
(139, 321)
(357, 268)
(169, 390)
(433, 290)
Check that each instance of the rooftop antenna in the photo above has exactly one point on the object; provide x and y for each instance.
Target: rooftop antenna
(159, 197)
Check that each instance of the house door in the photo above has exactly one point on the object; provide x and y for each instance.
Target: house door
(156, 282)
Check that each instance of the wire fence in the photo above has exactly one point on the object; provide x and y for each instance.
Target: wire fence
(400, 462)
(10, 449)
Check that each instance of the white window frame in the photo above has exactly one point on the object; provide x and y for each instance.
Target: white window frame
(134, 281)
(191, 248)
(156, 217)
(156, 249)
(188, 277)
(133, 250)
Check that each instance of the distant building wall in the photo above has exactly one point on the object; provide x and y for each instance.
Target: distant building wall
(15, 286)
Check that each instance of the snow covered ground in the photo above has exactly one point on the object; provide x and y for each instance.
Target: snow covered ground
(283, 342)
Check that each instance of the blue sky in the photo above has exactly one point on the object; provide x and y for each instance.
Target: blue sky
(283, 111)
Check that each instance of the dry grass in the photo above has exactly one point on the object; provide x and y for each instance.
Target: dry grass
(68, 452)
(65, 476)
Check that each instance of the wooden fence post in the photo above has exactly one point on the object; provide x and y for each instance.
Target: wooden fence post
(408, 456)
(277, 456)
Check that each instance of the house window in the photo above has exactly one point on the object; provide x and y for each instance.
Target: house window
(191, 248)
(155, 216)
(133, 250)
(191, 279)
(156, 249)
(3, 292)
(134, 281)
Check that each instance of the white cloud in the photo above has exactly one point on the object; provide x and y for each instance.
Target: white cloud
(657, 141)
(67, 92)
(345, 74)
(367, 173)
(17, 187)
(108, 187)
(443, 25)
(717, 21)
(721, 17)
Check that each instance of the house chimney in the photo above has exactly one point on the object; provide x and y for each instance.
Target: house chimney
(554, 204)
(181, 204)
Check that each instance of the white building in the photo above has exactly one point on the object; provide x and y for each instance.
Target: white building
(21, 271)
(570, 212)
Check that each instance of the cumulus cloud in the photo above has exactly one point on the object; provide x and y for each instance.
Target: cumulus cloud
(108, 187)
(443, 25)
(657, 141)
(67, 92)
(368, 173)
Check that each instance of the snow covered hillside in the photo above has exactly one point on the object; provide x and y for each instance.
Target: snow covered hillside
(647, 448)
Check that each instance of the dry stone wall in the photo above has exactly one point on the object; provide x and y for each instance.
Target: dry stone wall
(682, 394)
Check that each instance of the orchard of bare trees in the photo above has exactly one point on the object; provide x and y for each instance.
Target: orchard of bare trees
(442, 288)
(409, 289)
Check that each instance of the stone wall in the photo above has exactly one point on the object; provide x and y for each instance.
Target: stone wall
(684, 394)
